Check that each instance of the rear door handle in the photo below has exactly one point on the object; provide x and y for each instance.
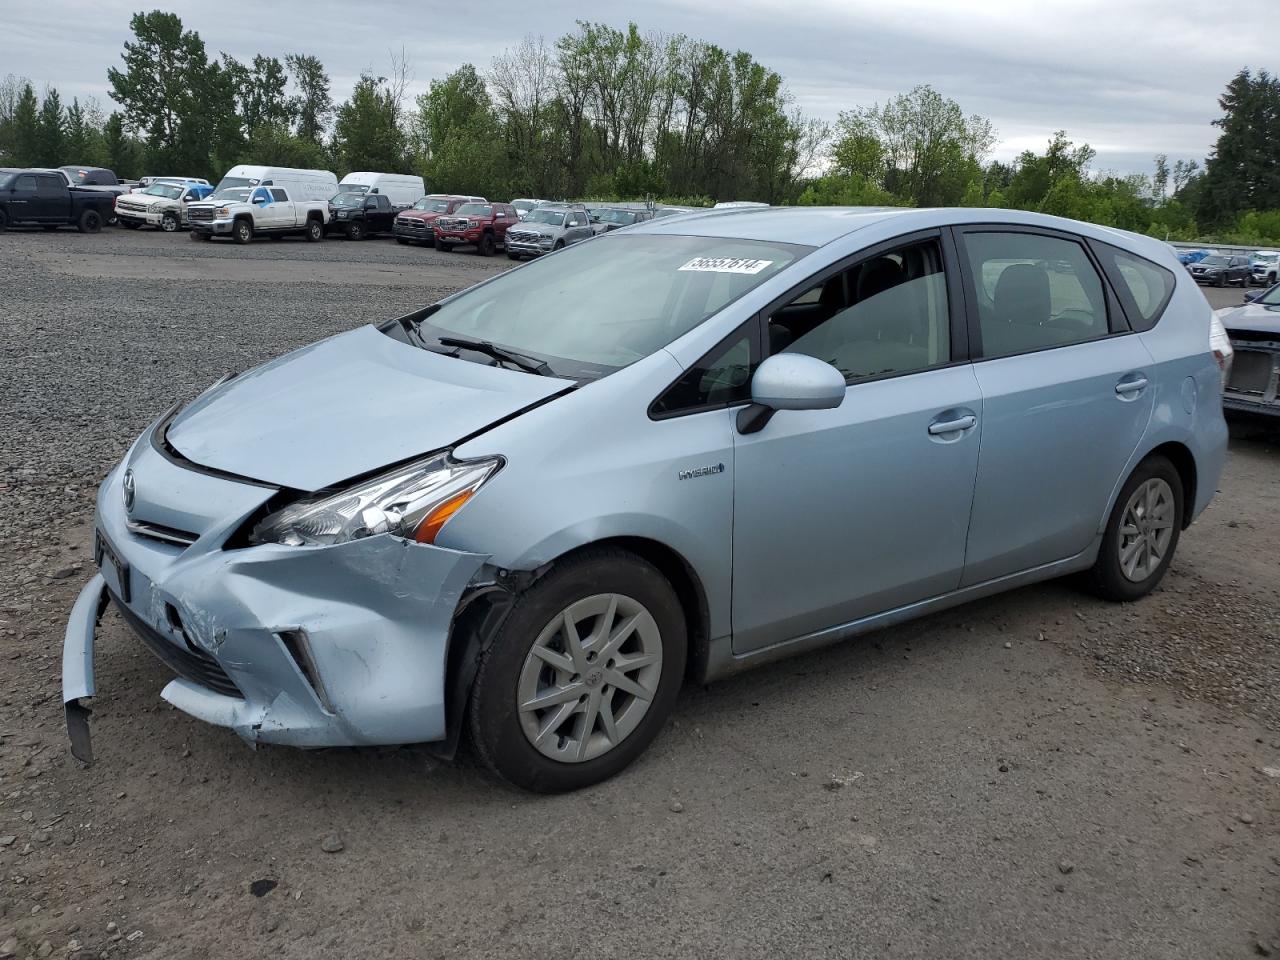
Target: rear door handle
(1127, 387)
(952, 426)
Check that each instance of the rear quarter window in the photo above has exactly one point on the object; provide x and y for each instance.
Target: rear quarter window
(1144, 287)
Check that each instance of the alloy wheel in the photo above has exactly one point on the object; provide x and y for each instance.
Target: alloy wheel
(1146, 529)
(589, 677)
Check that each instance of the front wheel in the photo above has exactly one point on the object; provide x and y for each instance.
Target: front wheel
(486, 247)
(511, 255)
(583, 674)
(4, 221)
(1142, 532)
(242, 232)
(355, 231)
(169, 223)
(402, 240)
(558, 245)
(90, 222)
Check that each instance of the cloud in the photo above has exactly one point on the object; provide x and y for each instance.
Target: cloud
(1133, 78)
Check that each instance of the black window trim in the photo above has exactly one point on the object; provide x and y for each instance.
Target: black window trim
(752, 328)
(1117, 320)
(1128, 304)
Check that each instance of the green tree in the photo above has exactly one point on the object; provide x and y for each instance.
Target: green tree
(456, 135)
(918, 145)
(82, 139)
(260, 98)
(51, 141)
(1242, 172)
(1036, 176)
(312, 107)
(366, 133)
(121, 153)
(25, 127)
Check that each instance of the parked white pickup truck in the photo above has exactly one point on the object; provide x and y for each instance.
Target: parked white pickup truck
(242, 212)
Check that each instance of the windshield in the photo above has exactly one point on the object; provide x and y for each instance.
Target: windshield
(606, 303)
(475, 210)
(523, 205)
(1270, 298)
(621, 217)
(1215, 261)
(167, 190)
(347, 200)
(354, 187)
(552, 217)
(232, 194)
(432, 206)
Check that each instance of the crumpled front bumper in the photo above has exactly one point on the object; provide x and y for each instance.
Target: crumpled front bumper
(218, 227)
(326, 646)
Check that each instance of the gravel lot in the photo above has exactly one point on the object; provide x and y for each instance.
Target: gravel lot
(1035, 775)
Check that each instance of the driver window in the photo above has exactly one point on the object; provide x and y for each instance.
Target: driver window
(885, 315)
(1034, 292)
(260, 196)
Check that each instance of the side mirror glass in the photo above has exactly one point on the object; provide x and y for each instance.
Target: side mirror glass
(795, 381)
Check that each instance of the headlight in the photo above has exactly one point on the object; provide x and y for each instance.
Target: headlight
(473, 224)
(413, 502)
(223, 211)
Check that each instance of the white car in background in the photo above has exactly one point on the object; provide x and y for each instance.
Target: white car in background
(162, 205)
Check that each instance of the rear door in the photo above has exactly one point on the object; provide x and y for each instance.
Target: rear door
(53, 199)
(1066, 396)
(281, 211)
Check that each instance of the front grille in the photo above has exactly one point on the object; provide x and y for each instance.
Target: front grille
(522, 236)
(131, 207)
(188, 662)
(200, 213)
(452, 223)
(413, 223)
(1250, 372)
(158, 531)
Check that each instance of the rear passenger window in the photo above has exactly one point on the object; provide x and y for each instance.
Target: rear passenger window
(278, 195)
(1143, 287)
(883, 316)
(1034, 292)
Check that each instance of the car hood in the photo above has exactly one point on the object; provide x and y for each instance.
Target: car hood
(1252, 317)
(347, 406)
(145, 199)
(423, 215)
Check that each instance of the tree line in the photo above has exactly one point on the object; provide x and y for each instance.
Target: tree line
(611, 113)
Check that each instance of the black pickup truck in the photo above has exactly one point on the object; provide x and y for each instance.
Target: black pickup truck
(359, 215)
(42, 198)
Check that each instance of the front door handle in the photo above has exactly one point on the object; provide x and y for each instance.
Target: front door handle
(1132, 387)
(952, 426)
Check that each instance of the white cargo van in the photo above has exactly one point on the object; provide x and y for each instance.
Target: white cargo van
(403, 191)
(301, 184)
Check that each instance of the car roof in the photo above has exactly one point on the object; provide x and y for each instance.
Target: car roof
(818, 226)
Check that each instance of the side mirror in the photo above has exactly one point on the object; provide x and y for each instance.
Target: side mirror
(791, 381)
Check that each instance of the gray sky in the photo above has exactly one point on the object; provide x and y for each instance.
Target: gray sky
(1131, 77)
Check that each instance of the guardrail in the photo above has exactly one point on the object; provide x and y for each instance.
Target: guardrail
(1220, 247)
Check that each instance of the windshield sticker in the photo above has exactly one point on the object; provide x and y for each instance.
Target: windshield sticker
(726, 265)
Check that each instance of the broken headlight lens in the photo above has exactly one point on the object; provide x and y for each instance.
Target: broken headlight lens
(413, 501)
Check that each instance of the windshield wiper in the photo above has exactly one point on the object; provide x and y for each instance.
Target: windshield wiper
(523, 361)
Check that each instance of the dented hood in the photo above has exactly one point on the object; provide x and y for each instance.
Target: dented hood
(1252, 317)
(346, 406)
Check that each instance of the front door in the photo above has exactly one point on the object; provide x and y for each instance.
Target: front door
(1065, 395)
(841, 514)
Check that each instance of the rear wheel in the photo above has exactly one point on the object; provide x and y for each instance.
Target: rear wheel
(90, 222)
(315, 231)
(583, 675)
(242, 232)
(355, 231)
(486, 247)
(1142, 532)
(169, 223)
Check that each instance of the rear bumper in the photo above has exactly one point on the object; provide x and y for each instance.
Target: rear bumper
(309, 647)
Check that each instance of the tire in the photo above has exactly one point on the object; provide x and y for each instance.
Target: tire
(603, 582)
(402, 240)
(355, 231)
(486, 247)
(512, 256)
(169, 223)
(1108, 578)
(4, 221)
(558, 245)
(130, 225)
(242, 231)
(443, 247)
(315, 231)
(90, 222)
(1221, 280)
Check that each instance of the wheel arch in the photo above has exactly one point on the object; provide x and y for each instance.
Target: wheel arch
(1184, 461)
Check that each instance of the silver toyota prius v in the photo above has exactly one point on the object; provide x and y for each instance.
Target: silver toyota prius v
(687, 447)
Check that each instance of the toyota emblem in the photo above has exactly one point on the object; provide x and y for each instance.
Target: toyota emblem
(127, 487)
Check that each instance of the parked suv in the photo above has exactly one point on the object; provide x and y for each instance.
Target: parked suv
(549, 227)
(482, 224)
(361, 214)
(607, 219)
(1220, 269)
(417, 224)
(162, 205)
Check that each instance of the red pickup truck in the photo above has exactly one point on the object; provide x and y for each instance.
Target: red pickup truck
(482, 224)
(417, 224)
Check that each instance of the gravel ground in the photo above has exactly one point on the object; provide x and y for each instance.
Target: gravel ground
(1035, 775)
